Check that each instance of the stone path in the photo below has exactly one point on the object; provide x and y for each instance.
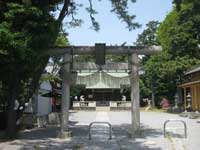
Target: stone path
(176, 136)
(100, 132)
(150, 137)
(102, 116)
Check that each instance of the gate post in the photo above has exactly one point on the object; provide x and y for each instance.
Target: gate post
(65, 102)
(135, 102)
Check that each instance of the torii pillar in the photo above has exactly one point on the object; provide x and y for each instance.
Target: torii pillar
(135, 94)
(65, 102)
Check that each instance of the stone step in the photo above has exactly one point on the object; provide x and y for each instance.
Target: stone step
(102, 108)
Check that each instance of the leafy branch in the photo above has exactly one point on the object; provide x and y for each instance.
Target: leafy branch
(120, 7)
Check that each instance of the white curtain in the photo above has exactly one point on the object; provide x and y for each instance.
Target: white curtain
(110, 80)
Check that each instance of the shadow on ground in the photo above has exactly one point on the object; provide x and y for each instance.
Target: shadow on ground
(45, 138)
(146, 139)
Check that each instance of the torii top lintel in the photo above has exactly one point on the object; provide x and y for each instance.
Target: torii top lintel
(117, 50)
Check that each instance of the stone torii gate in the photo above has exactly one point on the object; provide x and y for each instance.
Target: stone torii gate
(133, 51)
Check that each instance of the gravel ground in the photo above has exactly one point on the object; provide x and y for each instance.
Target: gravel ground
(149, 138)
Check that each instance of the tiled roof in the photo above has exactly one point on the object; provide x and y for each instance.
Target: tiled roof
(196, 69)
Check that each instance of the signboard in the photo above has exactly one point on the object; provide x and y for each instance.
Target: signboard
(99, 53)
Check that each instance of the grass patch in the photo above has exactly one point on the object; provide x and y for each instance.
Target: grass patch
(153, 109)
(77, 147)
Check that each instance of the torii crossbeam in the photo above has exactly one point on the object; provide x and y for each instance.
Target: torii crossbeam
(133, 51)
(116, 50)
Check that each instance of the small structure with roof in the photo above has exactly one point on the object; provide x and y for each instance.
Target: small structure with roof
(192, 89)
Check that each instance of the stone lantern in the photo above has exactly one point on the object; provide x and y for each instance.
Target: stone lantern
(189, 101)
(176, 100)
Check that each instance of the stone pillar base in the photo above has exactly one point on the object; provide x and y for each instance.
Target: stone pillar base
(136, 134)
(65, 135)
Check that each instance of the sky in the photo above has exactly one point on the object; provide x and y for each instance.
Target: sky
(112, 30)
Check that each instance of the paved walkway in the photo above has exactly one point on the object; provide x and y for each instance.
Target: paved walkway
(150, 138)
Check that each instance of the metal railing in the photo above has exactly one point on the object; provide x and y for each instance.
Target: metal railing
(175, 120)
(110, 128)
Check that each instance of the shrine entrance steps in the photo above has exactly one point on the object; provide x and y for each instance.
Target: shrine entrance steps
(102, 108)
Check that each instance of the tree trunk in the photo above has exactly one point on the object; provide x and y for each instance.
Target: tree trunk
(12, 96)
(152, 94)
(35, 81)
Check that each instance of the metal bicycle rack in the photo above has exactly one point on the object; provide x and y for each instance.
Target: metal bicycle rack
(175, 120)
(107, 123)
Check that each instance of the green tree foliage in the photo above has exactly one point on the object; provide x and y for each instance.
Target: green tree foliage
(27, 29)
(120, 8)
(149, 35)
(61, 41)
(179, 37)
(178, 3)
(180, 33)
